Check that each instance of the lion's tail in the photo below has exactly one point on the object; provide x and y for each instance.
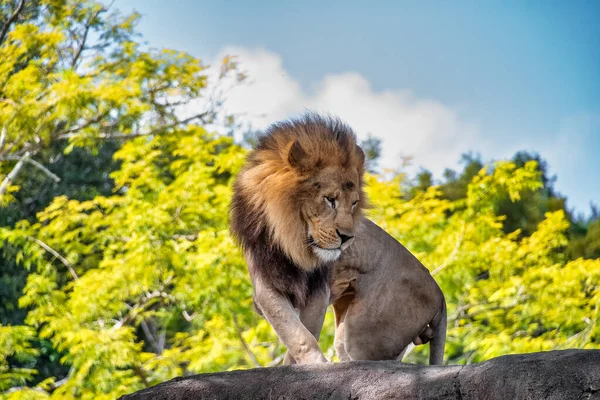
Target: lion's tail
(436, 346)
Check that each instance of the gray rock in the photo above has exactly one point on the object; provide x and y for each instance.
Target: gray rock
(565, 375)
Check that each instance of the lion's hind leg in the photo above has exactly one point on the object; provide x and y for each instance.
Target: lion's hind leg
(371, 336)
(436, 346)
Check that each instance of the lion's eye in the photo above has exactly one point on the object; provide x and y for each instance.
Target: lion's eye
(330, 202)
(355, 202)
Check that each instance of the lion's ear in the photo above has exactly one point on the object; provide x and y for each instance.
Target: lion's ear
(297, 157)
(361, 155)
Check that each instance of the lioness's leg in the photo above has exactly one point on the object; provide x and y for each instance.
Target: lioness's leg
(312, 317)
(340, 307)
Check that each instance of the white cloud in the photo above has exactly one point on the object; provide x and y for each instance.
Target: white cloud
(432, 133)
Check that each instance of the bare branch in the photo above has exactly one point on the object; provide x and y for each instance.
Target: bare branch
(36, 164)
(492, 307)
(188, 317)
(191, 237)
(276, 361)
(238, 330)
(43, 169)
(162, 339)
(411, 346)
(111, 135)
(57, 255)
(60, 382)
(150, 336)
(10, 21)
(141, 306)
(142, 374)
(2, 137)
(13, 173)
(71, 132)
(81, 46)
(453, 254)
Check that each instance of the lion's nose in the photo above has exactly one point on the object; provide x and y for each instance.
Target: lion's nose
(344, 238)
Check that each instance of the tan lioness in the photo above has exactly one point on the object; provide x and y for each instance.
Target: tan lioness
(297, 212)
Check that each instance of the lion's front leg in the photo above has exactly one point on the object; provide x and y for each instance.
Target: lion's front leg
(312, 317)
(277, 309)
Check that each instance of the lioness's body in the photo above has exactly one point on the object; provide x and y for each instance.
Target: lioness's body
(383, 298)
(297, 211)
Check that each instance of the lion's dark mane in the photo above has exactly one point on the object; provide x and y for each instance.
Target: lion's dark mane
(248, 222)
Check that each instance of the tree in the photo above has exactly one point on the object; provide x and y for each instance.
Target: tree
(585, 241)
(56, 85)
(501, 288)
(148, 264)
(372, 148)
(528, 212)
(74, 86)
(455, 185)
(83, 176)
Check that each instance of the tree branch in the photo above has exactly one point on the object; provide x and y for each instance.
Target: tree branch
(452, 254)
(2, 137)
(188, 317)
(142, 374)
(73, 131)
(276, 361)
(244, 344)
(136, 308)
(81, 47)
(43, 169)
(13, 174)
(36, 164)
(491, 308)
(150, 336)
(191, 237)
(57, 255)
(10, 21)
(111, 135)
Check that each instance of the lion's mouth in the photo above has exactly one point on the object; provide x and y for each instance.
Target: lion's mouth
(325, 254)
(312, 243)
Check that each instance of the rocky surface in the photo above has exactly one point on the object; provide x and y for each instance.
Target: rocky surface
(560, 375)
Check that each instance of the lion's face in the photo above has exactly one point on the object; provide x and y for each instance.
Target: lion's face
(331, 209)
(301, 189)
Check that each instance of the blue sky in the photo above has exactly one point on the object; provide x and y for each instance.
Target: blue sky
(433, 79)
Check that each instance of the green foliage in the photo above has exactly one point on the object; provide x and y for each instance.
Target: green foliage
(585, 238)
(372, 149)
(155, 262)
(15, 345)
(57, 86)
(501, 288)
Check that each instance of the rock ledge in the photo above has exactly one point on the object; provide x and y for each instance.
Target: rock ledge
(560, 375)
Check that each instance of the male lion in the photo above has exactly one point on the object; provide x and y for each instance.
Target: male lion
(297, 212)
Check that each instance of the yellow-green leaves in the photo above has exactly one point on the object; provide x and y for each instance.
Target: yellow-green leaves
(77, 77)
(146, 284)
(15, 343)
(505, 293)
